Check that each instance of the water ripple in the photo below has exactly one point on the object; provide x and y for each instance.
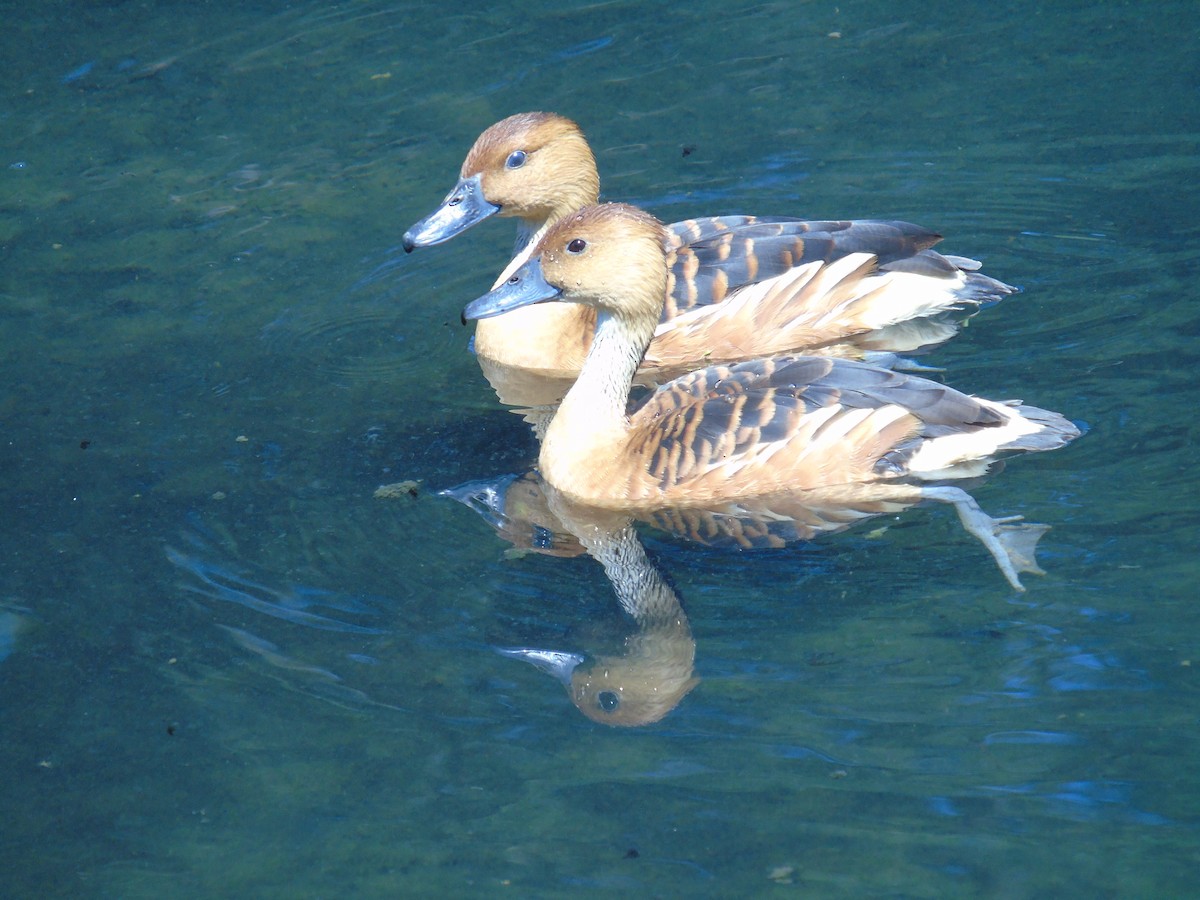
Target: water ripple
(358, 344)
(291, 603)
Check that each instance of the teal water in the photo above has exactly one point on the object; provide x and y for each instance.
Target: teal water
(227, 669)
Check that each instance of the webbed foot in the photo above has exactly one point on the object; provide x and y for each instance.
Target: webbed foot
(1013, 547)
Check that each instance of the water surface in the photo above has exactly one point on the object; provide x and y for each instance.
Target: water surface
(226, 668)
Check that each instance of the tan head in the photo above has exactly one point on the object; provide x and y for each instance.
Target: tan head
(612, 257)
(638, 687)
(644, 684)
(536, 166)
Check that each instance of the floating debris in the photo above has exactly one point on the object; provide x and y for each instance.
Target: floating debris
(399, 490)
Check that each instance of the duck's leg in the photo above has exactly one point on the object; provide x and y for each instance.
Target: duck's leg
(1012, 546)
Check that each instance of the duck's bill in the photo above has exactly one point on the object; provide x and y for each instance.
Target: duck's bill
(463, 207)
(556, 663)
(485, 496)
(526, 287)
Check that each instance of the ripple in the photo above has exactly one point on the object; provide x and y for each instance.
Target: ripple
(365, 345)
(291, 603)
(1029, 737)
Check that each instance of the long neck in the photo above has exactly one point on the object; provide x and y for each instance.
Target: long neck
(611, 540)
(599, 397)
(640, 587)
(585, 451)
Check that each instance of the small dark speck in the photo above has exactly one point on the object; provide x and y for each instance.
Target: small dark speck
(631, 853)
(689, 149)
(83, 445)
(171, 729)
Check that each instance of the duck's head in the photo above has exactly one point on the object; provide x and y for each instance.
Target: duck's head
(515, 506)
(611, 256)
(535, 166)
(637, 688)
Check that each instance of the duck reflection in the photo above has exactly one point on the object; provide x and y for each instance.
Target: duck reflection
(655, 669)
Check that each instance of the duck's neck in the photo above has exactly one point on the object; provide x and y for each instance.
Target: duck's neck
(602, 390)
(611, 540)
(591, 423)
(640, 587)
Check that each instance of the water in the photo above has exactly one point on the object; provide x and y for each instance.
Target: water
(227, 668)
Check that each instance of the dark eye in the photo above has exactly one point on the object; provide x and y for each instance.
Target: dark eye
(577, 246)
(608, 700)
(515, 160)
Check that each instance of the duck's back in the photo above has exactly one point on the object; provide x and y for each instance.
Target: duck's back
(711, 258)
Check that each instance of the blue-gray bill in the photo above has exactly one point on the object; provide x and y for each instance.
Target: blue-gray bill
(526, 287)
(463, 207)
(557, 663)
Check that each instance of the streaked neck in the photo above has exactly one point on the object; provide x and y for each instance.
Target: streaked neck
(640, 587)
(586, 445)
(598, 399)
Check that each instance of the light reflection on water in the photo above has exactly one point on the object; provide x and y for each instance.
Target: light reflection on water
(199, 221)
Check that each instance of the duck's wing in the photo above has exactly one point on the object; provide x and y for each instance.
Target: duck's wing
(793, 423)
(840, 437)
(745, 288)
(713, 257)
(812, 308)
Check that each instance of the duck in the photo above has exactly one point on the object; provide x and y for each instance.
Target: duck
(738, 286)
(835, 429)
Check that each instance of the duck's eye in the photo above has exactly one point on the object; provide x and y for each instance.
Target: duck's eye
(515, 160)
(608, 700)
(577, 246)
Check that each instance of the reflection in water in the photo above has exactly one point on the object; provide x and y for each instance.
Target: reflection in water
(13, 622)
(655, 671)
(181, 258)
(517, 508)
